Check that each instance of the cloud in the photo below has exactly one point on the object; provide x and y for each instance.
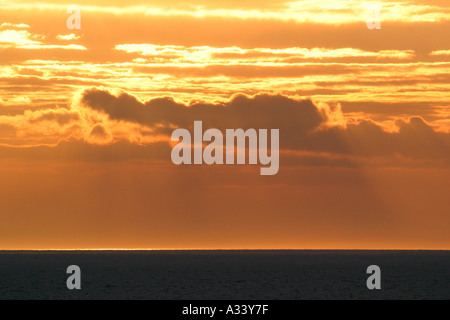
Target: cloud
(323, 11)
(440, 53)
(40, 126)
(260, 56)
(303, 125)
(258, 111)
(99, 135)
(15, 100)
(22, 39)
(61, 116)
(311, 133)
(14, 25)
(71, 36)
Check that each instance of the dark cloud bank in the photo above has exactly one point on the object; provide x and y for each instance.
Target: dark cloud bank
(306, 138)
(302, 124)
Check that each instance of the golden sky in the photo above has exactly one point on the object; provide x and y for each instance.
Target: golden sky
(86, 117)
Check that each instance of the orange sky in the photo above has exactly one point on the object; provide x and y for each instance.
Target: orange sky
(86, 117)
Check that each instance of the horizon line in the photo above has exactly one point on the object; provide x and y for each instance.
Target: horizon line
(231, 249)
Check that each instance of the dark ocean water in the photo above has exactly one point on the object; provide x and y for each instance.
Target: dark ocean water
(225, 275)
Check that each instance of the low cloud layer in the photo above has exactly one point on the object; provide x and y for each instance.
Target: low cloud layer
(101, 124)
(304, 126)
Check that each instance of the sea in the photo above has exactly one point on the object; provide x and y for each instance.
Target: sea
(225, 275)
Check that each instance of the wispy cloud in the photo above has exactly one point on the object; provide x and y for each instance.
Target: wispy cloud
(440, 53)
(71, 36)
(319, 12)
(23, 39)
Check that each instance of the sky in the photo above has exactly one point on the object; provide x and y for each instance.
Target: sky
(86, 117)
